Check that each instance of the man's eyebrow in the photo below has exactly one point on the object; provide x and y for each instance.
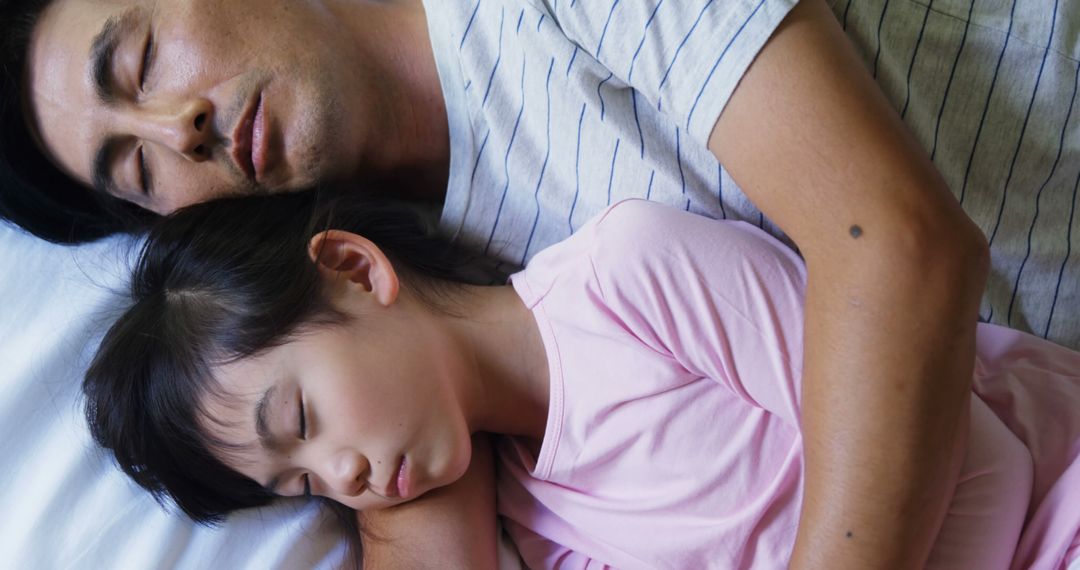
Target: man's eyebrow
(102, 49)
(262, 427)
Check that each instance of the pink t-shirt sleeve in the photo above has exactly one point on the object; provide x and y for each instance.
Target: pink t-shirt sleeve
(544, 553)
(724, 299)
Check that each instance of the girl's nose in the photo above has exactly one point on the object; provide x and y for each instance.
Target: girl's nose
(346, 472)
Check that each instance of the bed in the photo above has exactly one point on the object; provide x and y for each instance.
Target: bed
(67, 507)
(65, 504)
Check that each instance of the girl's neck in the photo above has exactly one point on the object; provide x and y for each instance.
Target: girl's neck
(509, 392)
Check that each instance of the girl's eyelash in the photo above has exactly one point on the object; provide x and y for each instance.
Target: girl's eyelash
(307, 486)
(144, 173)
(303, 420)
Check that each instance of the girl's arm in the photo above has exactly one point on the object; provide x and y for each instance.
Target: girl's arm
(452, 527)
(895, 274)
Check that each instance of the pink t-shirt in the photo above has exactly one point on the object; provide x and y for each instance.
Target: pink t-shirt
(674, 347)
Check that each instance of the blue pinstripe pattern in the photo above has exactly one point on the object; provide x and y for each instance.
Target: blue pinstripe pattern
(498, 59)
(720, 191)
(986, 108)
(680, 40)
(506, 160)
(1038, 199)
(601, 95)
(479, 155)
(1023, 129)
(543, 167)
(600, 44)
(611, 175)
(914, 55)
(637, 121)
(678, 159)
(880, 24)
(678, 50)
(712, 71)
(468, 27)
(1068, 249)
(1068, 253)
(948, 85)
(521, 18)
(644, 34)
(577, 168)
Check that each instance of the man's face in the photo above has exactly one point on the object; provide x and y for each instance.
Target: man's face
(166, 103)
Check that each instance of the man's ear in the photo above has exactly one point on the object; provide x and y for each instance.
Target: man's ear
(341, 255)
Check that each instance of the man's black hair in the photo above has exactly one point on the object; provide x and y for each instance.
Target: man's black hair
(34, 193)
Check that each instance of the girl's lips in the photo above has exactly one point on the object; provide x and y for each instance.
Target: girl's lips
(403, 483)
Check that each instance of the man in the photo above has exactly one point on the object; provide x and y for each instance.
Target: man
(534, 115)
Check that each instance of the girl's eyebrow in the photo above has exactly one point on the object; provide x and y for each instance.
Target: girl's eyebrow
(262, 426)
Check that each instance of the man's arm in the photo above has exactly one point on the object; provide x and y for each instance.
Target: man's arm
(452, 527)
(895, 274)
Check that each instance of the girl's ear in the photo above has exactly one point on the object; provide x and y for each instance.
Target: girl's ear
(341, 255)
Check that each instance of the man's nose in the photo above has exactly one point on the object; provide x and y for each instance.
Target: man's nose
(185, 127)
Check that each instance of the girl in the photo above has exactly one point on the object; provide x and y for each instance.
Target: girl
(643, 376)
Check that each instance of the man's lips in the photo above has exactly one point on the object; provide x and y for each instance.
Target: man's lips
(242, 137)
(259, 139)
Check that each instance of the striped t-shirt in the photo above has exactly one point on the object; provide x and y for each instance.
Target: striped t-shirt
(559, 108)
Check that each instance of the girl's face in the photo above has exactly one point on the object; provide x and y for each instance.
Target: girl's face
(367, 412)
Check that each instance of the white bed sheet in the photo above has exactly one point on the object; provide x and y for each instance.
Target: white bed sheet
(65, 504)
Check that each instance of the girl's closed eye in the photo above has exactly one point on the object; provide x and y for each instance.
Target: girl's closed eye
(303, 418)
(303, 436)
(144, 173)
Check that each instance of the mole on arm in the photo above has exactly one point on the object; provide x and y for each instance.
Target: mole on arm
(855, 231)
(850, 534)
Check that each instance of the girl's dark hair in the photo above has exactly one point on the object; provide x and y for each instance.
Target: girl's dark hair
(34, 193)
(218, 282)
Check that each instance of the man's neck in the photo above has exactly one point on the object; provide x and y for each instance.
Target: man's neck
(411, 159)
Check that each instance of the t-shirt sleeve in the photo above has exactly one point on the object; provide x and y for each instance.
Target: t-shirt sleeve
(684, 56)
(540, 552)
(723, 299)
